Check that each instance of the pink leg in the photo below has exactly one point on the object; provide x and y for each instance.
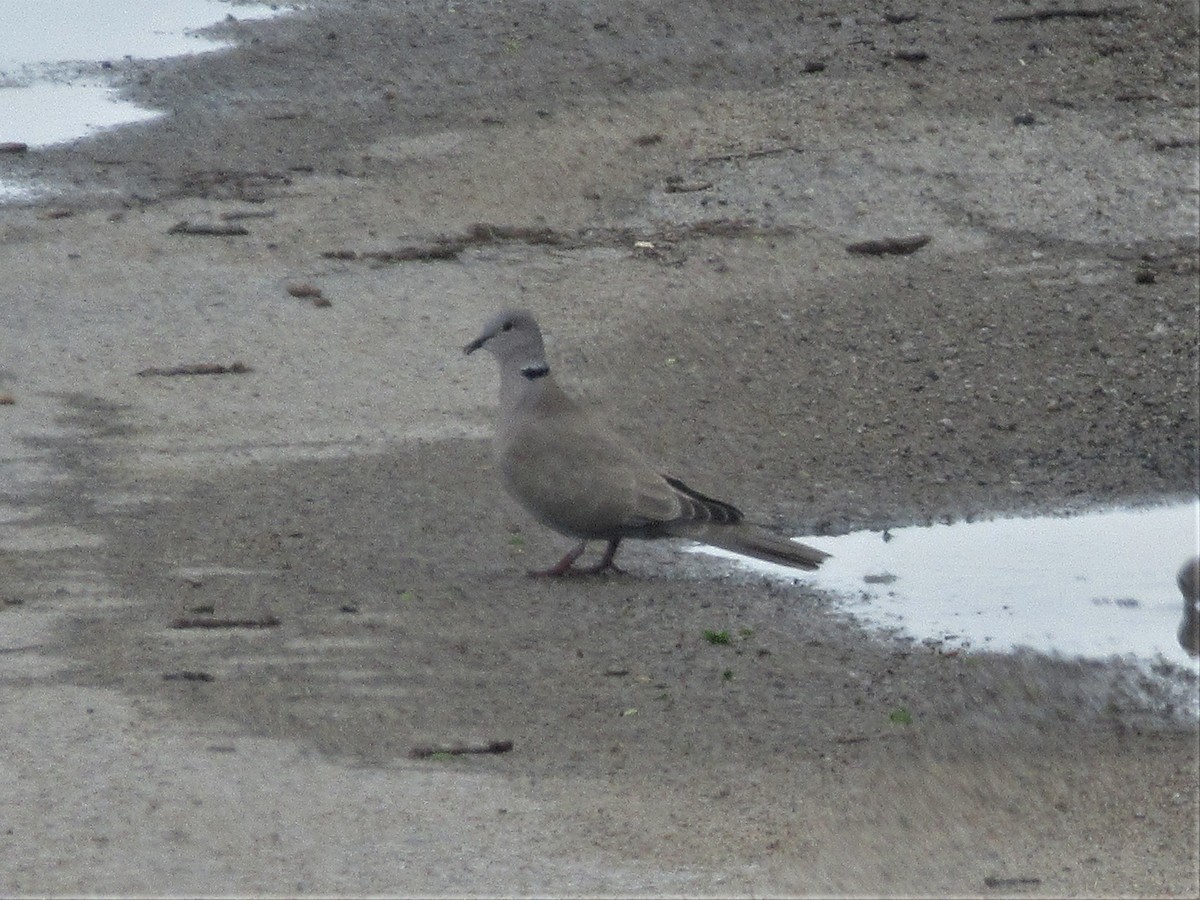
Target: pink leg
(565, 566)
(606, 561)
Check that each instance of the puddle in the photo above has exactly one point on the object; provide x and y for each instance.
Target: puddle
(44, 113)
(51, 86)
(1094, 586)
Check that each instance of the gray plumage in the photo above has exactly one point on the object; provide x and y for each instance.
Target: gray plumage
(573, 474)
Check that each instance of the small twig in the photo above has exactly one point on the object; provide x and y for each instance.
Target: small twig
(1041, 15)
(895, 246)
(676, 185)
(438, 250)
(205, 229)
(430, 253)
(994, 881)
(487, 233)
(303, 290)
(235, 368)
(449, 247)
(237, 214)
(1174, 143)
(752, 154)
(187, 676)
(461, 749)
(214, 622)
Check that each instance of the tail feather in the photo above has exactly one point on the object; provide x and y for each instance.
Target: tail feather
(761, 544)
(699, 507)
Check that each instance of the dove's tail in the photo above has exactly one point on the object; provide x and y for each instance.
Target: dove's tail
(761, 544)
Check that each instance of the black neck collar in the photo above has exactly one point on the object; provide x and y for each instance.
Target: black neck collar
(538, 370)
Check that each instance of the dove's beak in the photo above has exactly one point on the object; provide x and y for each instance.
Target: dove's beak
(475, 344)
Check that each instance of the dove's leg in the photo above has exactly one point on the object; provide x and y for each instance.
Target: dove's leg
(606, 561)
(563, 566)
(566, 565)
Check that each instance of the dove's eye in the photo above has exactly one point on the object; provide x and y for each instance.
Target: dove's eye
(507, 326)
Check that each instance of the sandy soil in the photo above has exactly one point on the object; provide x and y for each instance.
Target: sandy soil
(1040, 353)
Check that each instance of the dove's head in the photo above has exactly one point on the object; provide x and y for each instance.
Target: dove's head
(514, 338)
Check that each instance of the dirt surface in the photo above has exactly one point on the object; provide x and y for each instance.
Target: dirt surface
(672, 189)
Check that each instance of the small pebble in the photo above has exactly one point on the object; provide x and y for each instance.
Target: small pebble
(305, 291)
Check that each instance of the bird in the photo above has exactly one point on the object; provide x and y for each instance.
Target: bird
(1188, 580)
(572, 472)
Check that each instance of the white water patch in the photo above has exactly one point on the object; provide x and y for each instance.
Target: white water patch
(46, 113)
(51, 87)
(1095, 585)
(38, 32)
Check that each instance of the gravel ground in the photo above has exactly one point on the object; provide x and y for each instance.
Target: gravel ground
(672, 189)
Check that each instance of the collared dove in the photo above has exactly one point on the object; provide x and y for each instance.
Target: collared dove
(576, 476)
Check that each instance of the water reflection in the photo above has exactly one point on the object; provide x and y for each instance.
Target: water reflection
(1189, 586)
